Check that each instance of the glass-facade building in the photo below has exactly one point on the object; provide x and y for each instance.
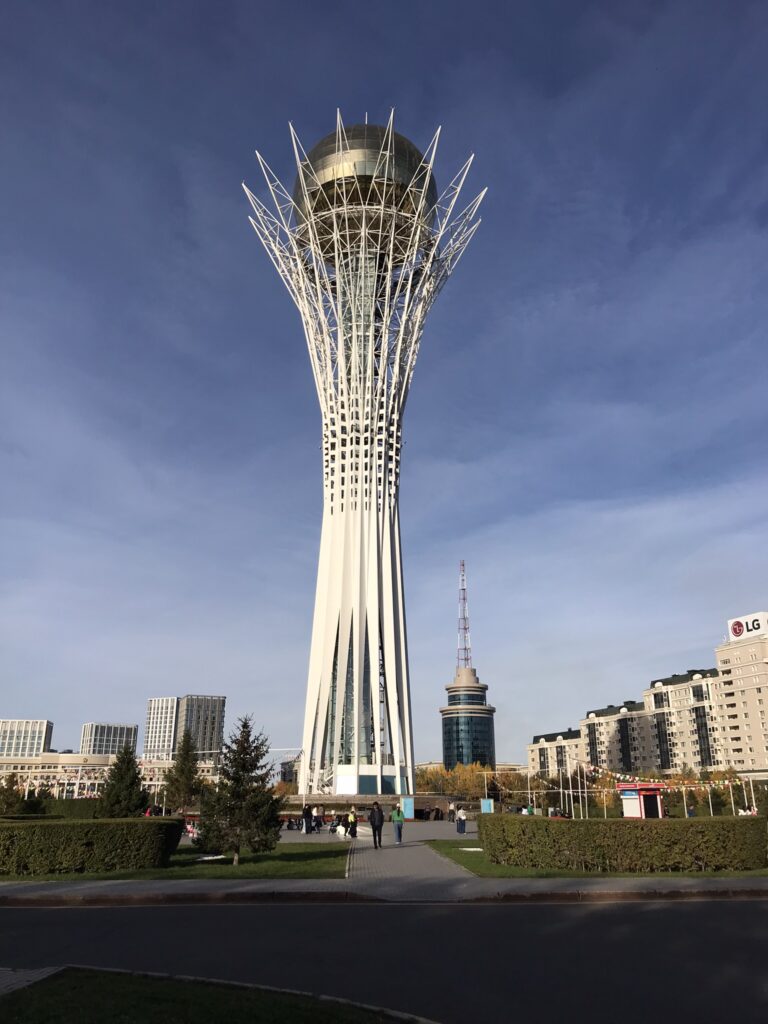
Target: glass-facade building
(25, 737)
(107, 737)
(468, 731)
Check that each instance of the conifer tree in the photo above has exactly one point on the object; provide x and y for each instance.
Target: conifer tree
(242, 811)
(124, 795)
(182, 781)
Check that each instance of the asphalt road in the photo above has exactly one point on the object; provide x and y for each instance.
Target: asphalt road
(618, 963)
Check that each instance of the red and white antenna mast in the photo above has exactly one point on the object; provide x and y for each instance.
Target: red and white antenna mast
(464, 653)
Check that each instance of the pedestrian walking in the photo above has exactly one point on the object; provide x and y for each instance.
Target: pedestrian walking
(353, 824)
(376, 820)
(461, 821)
(397, 820)
(306, 816)
(451, 811)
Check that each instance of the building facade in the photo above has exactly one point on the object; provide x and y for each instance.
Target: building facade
(681, 713)
(740, 695)
(107, 737)
(25, 737)
(364, 244)
(468, 732)
(82, 776)
(705, 719)
(160, 728)
(552, 753)
(203, 718)
(169, 717)
(619, 738)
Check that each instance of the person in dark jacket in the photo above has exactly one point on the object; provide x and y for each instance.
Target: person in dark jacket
(307, 816)
(376, 820)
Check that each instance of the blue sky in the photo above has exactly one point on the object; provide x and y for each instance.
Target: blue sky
(587, 421)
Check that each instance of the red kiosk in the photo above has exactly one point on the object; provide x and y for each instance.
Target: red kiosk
(641, 799)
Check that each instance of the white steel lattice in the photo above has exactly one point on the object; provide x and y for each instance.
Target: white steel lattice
(363, 248)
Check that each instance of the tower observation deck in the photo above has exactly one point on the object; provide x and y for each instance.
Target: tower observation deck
(363, 242)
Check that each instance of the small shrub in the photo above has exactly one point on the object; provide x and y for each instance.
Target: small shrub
(66, 847)
(633, 845)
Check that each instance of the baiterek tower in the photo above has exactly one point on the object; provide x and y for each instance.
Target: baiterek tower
(363, 242)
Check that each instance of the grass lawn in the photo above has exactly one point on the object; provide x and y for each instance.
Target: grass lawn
(91, 997)
(479, 864)
(288, 860)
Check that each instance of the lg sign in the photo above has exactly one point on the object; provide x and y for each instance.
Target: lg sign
(748, 625)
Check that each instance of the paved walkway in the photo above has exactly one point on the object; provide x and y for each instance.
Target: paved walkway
(410, 873)
(10, 980)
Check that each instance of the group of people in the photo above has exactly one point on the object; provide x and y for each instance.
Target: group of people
(313, 819)
(459, 815)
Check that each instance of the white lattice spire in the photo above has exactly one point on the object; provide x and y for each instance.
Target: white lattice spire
(364, 244)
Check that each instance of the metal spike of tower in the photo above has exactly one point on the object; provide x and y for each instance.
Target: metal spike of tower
(464, 650)
(363, 243)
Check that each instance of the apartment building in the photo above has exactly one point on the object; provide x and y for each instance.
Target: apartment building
(681, 713)
(554, 752)
(619, 738)
(710, 718)
(740, 697)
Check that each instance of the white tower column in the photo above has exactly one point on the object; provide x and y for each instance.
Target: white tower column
(364, 244)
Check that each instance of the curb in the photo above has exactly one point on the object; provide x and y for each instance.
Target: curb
(184, 899)
(573, 896)
(398, 1015)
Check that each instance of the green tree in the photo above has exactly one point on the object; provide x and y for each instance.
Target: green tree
(11, 799)
(242, 810)
(182, 780)
(124, 795)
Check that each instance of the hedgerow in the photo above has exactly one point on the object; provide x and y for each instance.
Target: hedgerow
(82, 808)
(642, 845)
(67, 847)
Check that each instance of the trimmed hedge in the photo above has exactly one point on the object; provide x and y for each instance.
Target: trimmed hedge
(82, 808)
(625, 844)
(66, 847)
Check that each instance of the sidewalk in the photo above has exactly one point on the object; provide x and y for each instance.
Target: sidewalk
(410, 873)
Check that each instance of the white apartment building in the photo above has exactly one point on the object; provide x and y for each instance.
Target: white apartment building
(24, 737)
(619, 738)
(711, 718)
(107, 737)
(160, 729)
(680, 710)
(741, 694)
(554, 752)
